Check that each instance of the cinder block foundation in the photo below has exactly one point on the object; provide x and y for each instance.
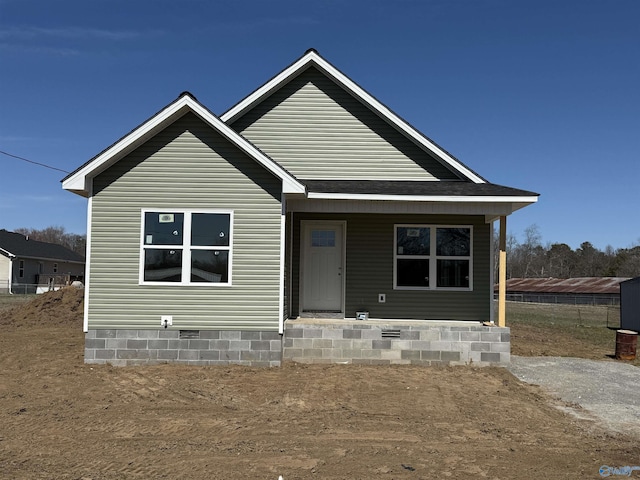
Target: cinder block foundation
(121, 347)
(380, 343)
(307, 341)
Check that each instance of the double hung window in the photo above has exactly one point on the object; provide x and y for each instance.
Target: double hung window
(430, 257)
(186, 247)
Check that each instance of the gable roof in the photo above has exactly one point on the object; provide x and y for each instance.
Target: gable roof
(78, 181)
(17, 245)
(313, 59)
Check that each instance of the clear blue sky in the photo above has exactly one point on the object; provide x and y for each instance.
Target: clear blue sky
(540, 95)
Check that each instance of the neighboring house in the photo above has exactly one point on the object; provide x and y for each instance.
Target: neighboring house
(209, 236)
(27, 265)
(574, 291)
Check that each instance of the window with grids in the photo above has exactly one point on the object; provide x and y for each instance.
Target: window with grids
(186, 247)
(432, 257)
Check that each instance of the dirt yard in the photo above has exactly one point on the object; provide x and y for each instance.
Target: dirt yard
(62, 419)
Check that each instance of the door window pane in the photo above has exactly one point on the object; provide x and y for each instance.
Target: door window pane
(323, 238)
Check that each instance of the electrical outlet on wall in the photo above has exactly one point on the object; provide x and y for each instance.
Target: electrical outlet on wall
(382, 298)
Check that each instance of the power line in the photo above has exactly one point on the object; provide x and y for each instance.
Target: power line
(31, 161)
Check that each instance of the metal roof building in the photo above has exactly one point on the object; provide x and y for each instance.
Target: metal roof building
(577, 291)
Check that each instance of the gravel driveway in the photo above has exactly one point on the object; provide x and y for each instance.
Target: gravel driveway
(608, 391)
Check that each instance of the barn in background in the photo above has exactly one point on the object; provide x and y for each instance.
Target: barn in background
(572, 291)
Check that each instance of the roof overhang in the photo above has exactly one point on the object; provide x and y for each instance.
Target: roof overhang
(79, 181)
(384, 196)
(312, 58)
(424, 198)
(51, 259)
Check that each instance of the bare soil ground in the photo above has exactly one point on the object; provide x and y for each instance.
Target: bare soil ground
(62, 419)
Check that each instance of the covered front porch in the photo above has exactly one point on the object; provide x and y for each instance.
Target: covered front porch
(387, 342)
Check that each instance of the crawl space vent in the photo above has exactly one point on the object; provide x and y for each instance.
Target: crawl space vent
(189, 334)
(390, 333)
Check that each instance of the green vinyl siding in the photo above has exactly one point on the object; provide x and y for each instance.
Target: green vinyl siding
(369, 269)
(187, 166)
(316, 130)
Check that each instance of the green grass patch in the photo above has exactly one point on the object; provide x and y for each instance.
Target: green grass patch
(563, 330)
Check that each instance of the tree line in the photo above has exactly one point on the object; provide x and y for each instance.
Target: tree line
(57, 234)
(532, 259)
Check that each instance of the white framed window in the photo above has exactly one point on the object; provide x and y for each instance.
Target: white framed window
(21, 269)
(186, 247)
(433, 257)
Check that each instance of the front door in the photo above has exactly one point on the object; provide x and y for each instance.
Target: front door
(322, 266)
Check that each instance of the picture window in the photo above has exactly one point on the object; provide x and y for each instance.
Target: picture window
(428, 257)
(186, 248)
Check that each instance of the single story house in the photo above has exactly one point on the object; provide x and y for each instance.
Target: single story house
(573, 291)
(309, 222)
(27, 265)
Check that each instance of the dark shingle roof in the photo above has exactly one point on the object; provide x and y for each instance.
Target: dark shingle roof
(18, 245)
(393, 187)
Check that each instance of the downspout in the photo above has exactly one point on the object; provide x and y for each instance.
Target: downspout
(11, 259)
(283, 237)
(87, 269)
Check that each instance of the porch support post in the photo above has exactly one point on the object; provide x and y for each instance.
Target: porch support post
(502, 273)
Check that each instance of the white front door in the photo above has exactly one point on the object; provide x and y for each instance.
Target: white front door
(322, 266)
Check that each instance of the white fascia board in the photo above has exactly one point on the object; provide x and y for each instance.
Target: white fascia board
(424, 198)
(312, 58)
(7, 253)
(79, 182)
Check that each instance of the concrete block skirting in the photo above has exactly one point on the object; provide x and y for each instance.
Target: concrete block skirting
(307, 341)
(122, 347)
(376, 342)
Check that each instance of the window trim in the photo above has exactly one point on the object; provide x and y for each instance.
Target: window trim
(186, 247)
(21, 269)
(432, 257)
